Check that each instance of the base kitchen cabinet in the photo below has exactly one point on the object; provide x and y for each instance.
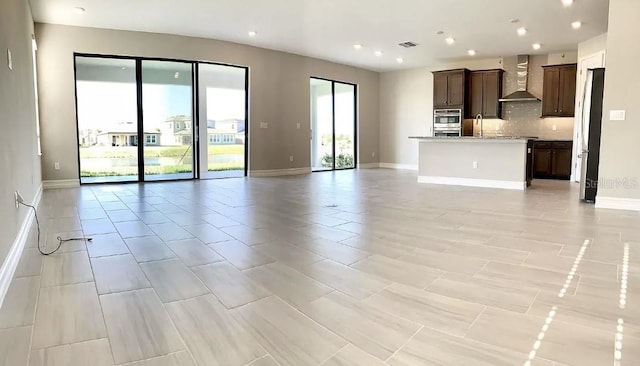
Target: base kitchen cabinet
(552, 159)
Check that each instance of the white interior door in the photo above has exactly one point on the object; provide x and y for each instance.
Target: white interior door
(590, 62)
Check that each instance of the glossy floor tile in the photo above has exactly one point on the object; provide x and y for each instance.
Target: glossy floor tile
(377, 332)
(193, 252)
(290, 337)
(232, 287)
(240, 255)
(138, 326)
(289, 284)
(362, 267)
(14, 346)
(345, 279)
(212, 334)
(19, 305)
(447, 314)
(66, 268)
(172, 280)
(95, 353)
(118, 273)
(67, 314)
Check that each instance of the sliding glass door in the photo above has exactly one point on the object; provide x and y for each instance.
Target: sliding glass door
(107, 119)
(223, 106)
(333, 125)
(137, 120)
(167, 115)
(344, 99)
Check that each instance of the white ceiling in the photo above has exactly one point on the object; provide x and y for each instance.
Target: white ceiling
(327, 29)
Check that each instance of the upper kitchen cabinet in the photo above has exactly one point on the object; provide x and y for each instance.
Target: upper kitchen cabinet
(450, 88)
(559, 91)
(485, 91)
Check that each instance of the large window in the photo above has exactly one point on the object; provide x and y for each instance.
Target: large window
(124, 100)
(107, 114)
(223, 105)
(167, 97)
(333, 125)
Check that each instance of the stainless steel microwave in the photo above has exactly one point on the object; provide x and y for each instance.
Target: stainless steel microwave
(447, 122)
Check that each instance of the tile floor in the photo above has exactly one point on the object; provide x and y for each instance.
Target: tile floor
(348, 268)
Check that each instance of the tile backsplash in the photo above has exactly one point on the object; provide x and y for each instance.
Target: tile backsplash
(523, 119)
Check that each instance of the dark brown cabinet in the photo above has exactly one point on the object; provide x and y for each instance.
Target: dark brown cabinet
(485, 90)
(552, 159)
(559, 91)
(449, 88)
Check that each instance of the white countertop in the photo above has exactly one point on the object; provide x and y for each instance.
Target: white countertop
(488, 139)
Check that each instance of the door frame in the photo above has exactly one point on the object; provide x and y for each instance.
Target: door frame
(140, 116)
(333, 124)
(583, 66)
(246, 109)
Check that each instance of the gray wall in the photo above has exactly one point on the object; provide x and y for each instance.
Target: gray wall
(279, 92)
(19, 160)
(620, 149)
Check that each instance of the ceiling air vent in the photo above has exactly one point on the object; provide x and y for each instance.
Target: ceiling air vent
(408, 44)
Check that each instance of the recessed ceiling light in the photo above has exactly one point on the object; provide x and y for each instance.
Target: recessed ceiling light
(536, 46)
(79, 10)
(522, 31)
(567, 3)
(514, 21)
(357, 46)
(123, 67)
(471, 52)
(400, 60)
(378, 53)
(576, 25)
(252, 34)
(176, 75)
(450, 40)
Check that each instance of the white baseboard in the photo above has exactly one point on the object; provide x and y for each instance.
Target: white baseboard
(369, 166)
(615, 203)
(10, 264)
(279, 172)
(61, 183)
(399, 166)
(470, 182)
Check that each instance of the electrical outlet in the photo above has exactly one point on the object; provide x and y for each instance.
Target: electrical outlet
(264, 125)
(291, 158)
(56, 165)
(298, 125)
(373, 154)
(475, 165)
(554, 128)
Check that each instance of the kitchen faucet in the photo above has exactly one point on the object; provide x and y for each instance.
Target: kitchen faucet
(480, 119)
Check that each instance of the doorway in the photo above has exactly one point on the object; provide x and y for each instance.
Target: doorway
(222, 106)
(594, 61)
(333, 125)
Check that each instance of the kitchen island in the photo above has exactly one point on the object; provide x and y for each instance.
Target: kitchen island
(492, 162)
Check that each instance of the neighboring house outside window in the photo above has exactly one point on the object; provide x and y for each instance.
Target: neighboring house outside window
(151, 139)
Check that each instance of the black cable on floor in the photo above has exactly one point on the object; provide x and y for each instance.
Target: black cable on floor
(60, 240)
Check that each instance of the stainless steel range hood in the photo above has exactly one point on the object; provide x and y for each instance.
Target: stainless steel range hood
(521, 95)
